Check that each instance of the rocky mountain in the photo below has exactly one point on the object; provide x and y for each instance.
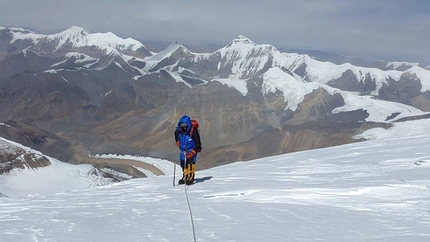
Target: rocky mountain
(112, 95)
(12, 157)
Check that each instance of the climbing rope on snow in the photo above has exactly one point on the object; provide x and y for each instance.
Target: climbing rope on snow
(188, 202)
(191, 214)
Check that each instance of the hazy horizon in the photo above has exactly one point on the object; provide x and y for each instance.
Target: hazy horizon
(375, 30)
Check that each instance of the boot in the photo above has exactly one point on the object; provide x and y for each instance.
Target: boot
(191, 174)
(185, 175)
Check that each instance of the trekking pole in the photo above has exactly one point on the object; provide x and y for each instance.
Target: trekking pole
(174, 172)
(185, 167)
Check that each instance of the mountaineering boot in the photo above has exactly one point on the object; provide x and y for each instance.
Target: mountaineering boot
(191, 174)
(184, 176)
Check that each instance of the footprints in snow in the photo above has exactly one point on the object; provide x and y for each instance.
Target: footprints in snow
(420, 162)
(225, 195)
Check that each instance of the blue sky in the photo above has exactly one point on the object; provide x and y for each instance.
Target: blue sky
(383, 29)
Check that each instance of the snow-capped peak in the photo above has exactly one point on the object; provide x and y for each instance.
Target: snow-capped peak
(72, 34)
(80, 37)
(75, 31)
(243, 58)
(75, 35)
(22, 34)
(240, 40)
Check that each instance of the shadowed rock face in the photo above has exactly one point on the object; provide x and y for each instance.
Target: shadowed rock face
(348, 82)
(31, 136)
(407, 90)
(18, 158)
(318, 106)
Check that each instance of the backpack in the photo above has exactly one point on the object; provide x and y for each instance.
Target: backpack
(195, 126)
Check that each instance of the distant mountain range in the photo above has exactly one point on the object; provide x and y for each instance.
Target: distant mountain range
(98, 93)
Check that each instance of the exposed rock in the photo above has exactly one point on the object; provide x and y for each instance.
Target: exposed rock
(31, 136)
(18, 158)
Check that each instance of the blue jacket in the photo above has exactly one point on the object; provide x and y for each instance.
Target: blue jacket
(187, 141)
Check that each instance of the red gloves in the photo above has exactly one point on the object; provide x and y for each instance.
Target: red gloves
(191, 154)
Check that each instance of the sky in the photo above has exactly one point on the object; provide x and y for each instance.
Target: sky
(384, 29)
(376, 190)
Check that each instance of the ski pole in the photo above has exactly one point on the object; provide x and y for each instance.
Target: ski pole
(174, 172)
(185, 167)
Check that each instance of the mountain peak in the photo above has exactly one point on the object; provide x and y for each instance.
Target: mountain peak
(72, 34)
(242, 39)
(74, 31)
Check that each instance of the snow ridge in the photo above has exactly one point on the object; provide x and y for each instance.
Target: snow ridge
(396, 64)
(79, 37)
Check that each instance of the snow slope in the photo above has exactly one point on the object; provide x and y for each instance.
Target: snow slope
(57, 177)
(378, 190)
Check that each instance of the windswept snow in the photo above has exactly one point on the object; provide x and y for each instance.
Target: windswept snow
(166, 53)
(378, 190)
(396, 64)
(238, 84)
(80, 58)
(178, 78)
(293, 90)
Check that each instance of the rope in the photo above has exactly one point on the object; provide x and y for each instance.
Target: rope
(188, 201)
(191, 214)
(186, 195)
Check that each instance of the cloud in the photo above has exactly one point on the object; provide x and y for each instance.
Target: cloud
(366, 26)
